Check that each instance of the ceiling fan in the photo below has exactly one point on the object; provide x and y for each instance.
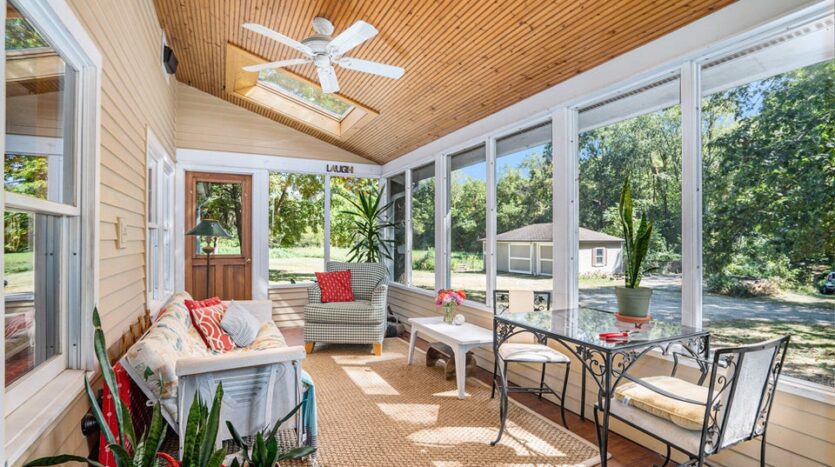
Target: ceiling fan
(324, 51)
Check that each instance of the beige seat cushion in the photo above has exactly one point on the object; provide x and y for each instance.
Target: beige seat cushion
(686, 415)
(535, 353)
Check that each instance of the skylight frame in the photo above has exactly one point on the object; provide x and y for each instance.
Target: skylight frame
(247, 86)
(309, 104)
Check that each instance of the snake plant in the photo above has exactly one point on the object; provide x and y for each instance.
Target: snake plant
(264, 450)
(126, 448)
(201, 432)
(636, 243)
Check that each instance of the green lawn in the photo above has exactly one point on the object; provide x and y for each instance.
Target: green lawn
(18, 272)
(811, 354)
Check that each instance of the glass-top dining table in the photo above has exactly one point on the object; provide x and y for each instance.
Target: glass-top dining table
(605, 361)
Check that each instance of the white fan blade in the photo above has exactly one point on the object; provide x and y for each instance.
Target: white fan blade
(327, 78)
(278, 64)
(366, 66)
(276, 36)
(358, 33)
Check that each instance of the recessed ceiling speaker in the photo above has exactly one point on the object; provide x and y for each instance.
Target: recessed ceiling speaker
(169, 60)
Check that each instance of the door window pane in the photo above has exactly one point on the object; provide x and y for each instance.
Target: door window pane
(423, 227)
(396, 187)
(467, 195)
(635, 134)
(297, 227)
(221, 202)
(31, 278)
(524, 193)
(768, 185)
(343, 231)
(40, 107)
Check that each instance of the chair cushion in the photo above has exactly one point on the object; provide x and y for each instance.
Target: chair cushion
(207, 321)
(365, 277)
(537, 353)
(686, 415)
(687, 440)
(356, 312)
(240, 324)
(335, 286)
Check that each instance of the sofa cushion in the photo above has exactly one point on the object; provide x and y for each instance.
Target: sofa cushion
(207, 318)
(356, 312)
(269, 337)
(241, 325)
(686, 415)
(365, 277)
(335, 286)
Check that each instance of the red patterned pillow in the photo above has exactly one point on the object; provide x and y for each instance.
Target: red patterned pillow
(335, 286)
(206, 316)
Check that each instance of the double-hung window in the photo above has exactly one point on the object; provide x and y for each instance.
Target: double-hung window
(49, 274)
(160, 221)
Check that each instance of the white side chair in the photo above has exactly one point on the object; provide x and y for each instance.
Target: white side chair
(729, 404)
(539, 352)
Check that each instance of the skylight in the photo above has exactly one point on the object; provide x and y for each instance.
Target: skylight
(305, 92)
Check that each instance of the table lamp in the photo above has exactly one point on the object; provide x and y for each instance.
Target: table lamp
(210, 230)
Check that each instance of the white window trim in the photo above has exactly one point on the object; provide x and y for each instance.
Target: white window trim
(594, 262)
(671, 53)
(529, 258)
(540, 258)
(259, 166)
(161, 169)
(58, 22)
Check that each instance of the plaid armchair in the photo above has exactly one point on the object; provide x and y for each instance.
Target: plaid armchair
(362, 321)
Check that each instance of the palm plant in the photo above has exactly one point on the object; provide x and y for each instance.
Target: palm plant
(126, 448)
(368, 222)
(636, 243)
(265, 451)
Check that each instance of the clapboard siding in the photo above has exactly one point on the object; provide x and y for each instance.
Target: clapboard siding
(801, 431)
(288, 306)
(134, 96)
(210, 123)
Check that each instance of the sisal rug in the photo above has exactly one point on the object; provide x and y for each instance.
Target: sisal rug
(377, 411)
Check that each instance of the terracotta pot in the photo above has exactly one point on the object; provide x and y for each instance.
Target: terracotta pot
(633, 302)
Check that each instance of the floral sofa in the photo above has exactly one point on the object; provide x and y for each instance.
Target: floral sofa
(171, 364)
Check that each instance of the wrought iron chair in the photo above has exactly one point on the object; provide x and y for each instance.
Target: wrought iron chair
(512, 352)
(730, 403)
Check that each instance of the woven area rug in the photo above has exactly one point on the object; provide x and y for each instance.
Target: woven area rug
(377, 411)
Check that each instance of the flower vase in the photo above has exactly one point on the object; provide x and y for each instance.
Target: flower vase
(448, 313)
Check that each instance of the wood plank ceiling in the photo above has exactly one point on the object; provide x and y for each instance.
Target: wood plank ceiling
(464, 59)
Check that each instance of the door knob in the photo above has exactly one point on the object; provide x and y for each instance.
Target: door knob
(248, 260)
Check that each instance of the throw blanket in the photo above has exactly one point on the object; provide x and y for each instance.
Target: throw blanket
(311, 427)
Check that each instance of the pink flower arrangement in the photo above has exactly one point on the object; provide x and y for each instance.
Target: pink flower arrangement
(448, 296)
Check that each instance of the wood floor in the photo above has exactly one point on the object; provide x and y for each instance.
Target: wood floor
(624, 452)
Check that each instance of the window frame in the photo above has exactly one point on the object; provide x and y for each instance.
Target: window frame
(602, 262)
(159, 221)
(56, 21)
(529, 259)
(564, 116)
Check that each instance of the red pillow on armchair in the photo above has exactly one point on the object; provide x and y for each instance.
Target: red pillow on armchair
(335, 286)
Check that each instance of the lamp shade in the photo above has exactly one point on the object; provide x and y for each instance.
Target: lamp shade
(209, 228)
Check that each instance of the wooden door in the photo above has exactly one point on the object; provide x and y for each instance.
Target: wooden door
(226, 198)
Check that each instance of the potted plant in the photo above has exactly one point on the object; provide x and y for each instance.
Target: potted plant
(368, 227)
(633, 300)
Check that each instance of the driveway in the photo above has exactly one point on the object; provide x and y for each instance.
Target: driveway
(666, 303)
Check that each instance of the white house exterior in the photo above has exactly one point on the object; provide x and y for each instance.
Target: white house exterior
(529, 250)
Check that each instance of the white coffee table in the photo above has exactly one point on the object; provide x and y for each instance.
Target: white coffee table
(461, 338)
